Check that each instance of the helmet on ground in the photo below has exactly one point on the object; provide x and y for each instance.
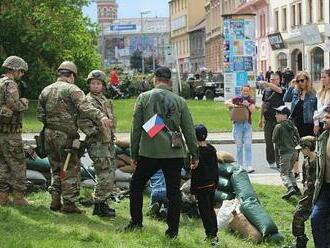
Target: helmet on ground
(15, 63)
(97, 74)
(68, 66)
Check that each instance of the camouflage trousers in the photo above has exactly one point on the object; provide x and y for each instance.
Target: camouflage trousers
(302, 213)
(69, 186)
(12, 163)
(104, 165)
(286, 166)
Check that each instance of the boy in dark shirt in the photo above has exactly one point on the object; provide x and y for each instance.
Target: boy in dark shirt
(204, 181)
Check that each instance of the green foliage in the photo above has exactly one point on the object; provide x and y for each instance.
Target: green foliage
(136, 60)
(45, 33)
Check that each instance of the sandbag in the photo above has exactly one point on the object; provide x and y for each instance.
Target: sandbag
(256, 214)
(224, 185)
(242, 226)
(123, 142)
(89, 183)
(123, 185)
(120, 163)
(36, 176)
(38, 164)
(225, 213)
(220, 196)
(242, 186)
(124, 157)
(122, 176)
(118, 150)
(127, 169)
(225, 157)
(226, 169)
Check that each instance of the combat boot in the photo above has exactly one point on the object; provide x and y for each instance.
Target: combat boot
(70, 208)
(19, 200)
(4, 198)
(291, 191)
(102, 209)
(301, 242)
(56, 203)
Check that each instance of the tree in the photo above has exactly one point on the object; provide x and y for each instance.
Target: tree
(45, 33)
(136, 60)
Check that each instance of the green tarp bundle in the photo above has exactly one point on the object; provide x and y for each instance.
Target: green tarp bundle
(226, 169)
(242, 186)
(220, 196)
(224, 185)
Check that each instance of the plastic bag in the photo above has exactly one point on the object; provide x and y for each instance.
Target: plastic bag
(225, 213)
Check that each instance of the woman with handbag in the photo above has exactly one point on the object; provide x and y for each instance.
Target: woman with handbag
(241, 107)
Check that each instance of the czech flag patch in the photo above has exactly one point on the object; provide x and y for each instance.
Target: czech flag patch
(154, 125)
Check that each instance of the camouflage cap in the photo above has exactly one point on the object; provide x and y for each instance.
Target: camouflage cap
(97, 74)
(69, 66)
(307, 141)
(15, 63)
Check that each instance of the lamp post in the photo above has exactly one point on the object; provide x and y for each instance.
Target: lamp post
(142, 60)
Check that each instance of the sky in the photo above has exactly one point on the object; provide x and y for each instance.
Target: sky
(132, 8)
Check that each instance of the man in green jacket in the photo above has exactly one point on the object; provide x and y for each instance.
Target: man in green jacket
(321, 214)
(163, 151)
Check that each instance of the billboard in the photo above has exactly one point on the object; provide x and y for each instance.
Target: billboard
(239, 53)
(122, 27)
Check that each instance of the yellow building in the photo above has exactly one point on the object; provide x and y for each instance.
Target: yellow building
(184, 15)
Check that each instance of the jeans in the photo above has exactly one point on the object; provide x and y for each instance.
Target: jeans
(320, 218)
(147, 167)
(158, 188)
(242, 134)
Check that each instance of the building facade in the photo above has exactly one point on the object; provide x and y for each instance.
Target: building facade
(261, 9)
(149, 35)
(184, 17)
(197, 47)
(107, 11)
(304, 27)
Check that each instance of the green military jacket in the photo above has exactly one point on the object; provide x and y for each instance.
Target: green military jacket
(61, 103)
(285, 137)
(320, 169)
(11, 105)
(174, 110)
(94, 132)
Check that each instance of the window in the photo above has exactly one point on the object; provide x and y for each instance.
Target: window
(284, 24)
(310, 10)
(276, 20)
(282, 60)
(299, 14)
(321, 12)
(317, 63)
(293, 16)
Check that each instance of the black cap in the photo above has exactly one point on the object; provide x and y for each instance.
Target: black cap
(163, 72)
(283, 110)
(201, 132)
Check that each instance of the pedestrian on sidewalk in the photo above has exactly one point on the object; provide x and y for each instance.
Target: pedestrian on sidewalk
(321, 199)
(304, 207)
(204, 181)
(241, 108)
(272, 98)
(286, 138)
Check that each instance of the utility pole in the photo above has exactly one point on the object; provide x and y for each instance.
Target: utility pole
(142, 55)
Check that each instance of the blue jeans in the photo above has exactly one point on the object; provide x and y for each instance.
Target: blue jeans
(242, 134)
(158, 188)
(320, 218)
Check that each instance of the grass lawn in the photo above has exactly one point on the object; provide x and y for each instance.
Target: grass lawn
(36, 226)
(213, 114)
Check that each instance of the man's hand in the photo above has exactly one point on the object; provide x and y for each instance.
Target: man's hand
(194, 164)
(134, 164)
(106, 122)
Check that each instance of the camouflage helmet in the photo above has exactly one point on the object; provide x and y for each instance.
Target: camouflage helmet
(97, 74)
(15, 63)
(307, 141)
(69, 66)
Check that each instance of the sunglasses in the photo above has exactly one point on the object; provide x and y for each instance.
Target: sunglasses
(301, 80)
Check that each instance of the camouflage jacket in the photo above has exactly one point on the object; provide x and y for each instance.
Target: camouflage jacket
(309, 172)
(89, 127)
(11, 105)
(174, 110)
(61, 103)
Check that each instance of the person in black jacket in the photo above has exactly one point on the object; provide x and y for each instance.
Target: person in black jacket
(204, 181)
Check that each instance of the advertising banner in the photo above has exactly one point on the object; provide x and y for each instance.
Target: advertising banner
(239, 53)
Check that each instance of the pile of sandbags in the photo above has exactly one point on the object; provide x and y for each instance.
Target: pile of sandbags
(123, 163)
(248, 218)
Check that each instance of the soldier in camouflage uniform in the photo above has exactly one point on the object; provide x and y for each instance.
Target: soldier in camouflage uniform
(59, 106)
(100, 144)
(12, 106)
(304, 207)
